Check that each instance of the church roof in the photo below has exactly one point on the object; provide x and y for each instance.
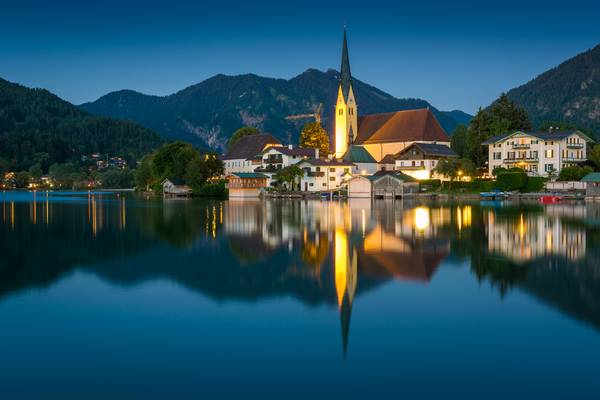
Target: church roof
(358, 154)
(400, 126)
(345, 75)
(249, 147)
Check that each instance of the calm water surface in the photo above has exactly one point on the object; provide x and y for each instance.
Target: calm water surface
(109, 296)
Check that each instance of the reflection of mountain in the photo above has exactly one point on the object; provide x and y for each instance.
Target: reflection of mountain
(573, 288)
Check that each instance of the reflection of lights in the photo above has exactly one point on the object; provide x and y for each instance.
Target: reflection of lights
(421, 218)
(341, 263)
(521, 226)
(363, 222)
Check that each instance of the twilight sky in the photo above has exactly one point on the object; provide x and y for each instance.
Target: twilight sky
(456, 55)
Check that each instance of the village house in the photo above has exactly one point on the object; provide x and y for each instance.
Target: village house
(321, 174)
(538, 153)
(364, 163)
(420, 159)
(245, 154)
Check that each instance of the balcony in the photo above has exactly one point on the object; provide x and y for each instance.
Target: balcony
(575, 145)
(318, 174)
(521, 145)
(521, 160)
(573, 159)
(273, 160)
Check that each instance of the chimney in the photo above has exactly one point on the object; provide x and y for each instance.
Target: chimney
(290, 146)
(316, 153)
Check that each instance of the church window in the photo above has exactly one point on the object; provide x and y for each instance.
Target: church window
(341, 111)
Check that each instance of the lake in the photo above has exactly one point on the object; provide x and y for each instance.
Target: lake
(121, 296)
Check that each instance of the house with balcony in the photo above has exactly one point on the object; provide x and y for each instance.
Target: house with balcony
(419, 160)
(322, 174)
(538, 153)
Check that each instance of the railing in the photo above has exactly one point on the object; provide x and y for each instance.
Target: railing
(518, 160)
(575, 145)
(521, 145)
(573, 159)
(316, 174)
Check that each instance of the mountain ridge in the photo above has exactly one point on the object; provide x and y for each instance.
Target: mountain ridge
(569, 92)
(208, 112)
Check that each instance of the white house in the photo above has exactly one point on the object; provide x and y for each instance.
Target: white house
(538, 153)
(324, 174)
(419, 159)
(245, 155)
(364, 163)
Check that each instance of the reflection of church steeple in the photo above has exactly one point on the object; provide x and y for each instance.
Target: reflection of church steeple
(345, 281)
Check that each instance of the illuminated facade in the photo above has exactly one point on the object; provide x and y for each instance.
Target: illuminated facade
(379, 134)
(538, 153)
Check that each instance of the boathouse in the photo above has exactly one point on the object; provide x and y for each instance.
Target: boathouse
(592, 185)
(246, 184)
(175, 187)
(383, 184)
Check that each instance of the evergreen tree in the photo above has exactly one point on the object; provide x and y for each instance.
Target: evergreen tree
(240, 133)
(459, 140)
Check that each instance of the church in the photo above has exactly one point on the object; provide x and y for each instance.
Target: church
(380, 135)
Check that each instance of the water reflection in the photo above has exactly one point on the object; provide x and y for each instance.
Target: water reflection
(316, 252)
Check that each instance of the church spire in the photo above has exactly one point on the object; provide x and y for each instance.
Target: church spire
(345, 75)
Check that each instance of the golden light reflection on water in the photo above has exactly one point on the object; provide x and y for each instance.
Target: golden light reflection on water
(421, 218)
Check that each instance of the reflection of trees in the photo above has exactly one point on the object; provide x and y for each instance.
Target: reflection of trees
(178, 222)
(315, 251)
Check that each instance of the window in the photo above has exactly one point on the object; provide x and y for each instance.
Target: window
(318, 169)
(549, 167)
(497, 155)
(311, 184)
(324, 184)
(341, 111)
(550, 153)
(346, 170)
(332, 178)
(331, 169)
(533, 154)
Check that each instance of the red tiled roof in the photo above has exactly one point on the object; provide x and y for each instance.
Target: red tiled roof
(400, 126)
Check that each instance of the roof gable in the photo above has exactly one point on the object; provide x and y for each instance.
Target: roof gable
(545, 136)
(250, 146)
(429, 149)
(400, 126)
(358, 154)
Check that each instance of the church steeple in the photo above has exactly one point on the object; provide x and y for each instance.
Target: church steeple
(346, 120)
(345, 74)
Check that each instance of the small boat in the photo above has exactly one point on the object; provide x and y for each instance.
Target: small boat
(550, 199)
(494, 194)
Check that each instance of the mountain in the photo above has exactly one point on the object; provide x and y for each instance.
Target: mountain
(569, 92)
(37, 126)
(209, 112)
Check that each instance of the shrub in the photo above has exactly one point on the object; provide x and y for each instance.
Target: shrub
(512, 181)
(430, 184)
(534, 184)
(574, 173)
(213, 189)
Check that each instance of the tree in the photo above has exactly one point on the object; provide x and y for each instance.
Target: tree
(289, 174)
(143, 173)
(240, 133)
(595, 156)
(453, 168)
(459, 140)
(574, 173)
(22, 179)
(35, 171)
(117, 178)
(314, 136)
(172, 159)
(503, 116)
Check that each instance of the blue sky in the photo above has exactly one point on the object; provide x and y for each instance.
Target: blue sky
(457, 55)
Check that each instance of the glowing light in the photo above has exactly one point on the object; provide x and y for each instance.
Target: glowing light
(421, 218)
